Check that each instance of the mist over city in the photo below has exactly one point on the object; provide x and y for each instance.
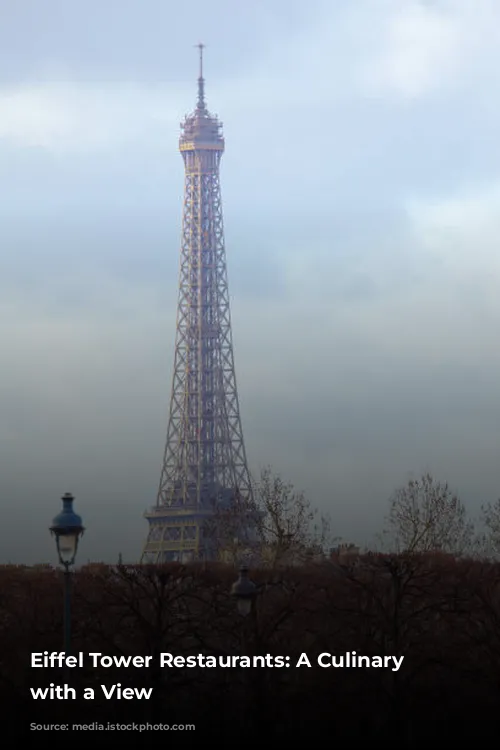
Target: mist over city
(361, 197)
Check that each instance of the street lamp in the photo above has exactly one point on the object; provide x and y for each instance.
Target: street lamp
(244, 591)
(67, 529)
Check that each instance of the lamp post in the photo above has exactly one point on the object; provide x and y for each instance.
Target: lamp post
(245, 592)
(67, 529)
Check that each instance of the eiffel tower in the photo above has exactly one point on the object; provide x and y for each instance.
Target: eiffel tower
(204, 465)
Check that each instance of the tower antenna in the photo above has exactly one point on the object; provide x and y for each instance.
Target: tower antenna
(201, 82)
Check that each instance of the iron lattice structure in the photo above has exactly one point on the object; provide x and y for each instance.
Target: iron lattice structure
(204, 465)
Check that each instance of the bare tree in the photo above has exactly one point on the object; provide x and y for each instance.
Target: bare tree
(491, 519)
(425, 516)
(279, 526)
(288, 525)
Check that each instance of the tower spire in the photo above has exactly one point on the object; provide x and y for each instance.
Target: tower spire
(201, 82)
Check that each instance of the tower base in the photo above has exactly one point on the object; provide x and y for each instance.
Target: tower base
(191, 531)
(177, 535)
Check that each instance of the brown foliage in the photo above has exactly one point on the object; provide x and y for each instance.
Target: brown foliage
(441, 614)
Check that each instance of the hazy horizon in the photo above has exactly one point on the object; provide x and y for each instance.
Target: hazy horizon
(361, 190)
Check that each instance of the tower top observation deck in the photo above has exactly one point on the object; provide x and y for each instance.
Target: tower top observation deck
(201, 131)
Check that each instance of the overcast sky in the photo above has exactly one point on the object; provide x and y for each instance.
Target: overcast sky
(361, 189)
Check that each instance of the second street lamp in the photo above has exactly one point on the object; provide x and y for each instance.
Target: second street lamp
(244, 591)
(67, 529)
